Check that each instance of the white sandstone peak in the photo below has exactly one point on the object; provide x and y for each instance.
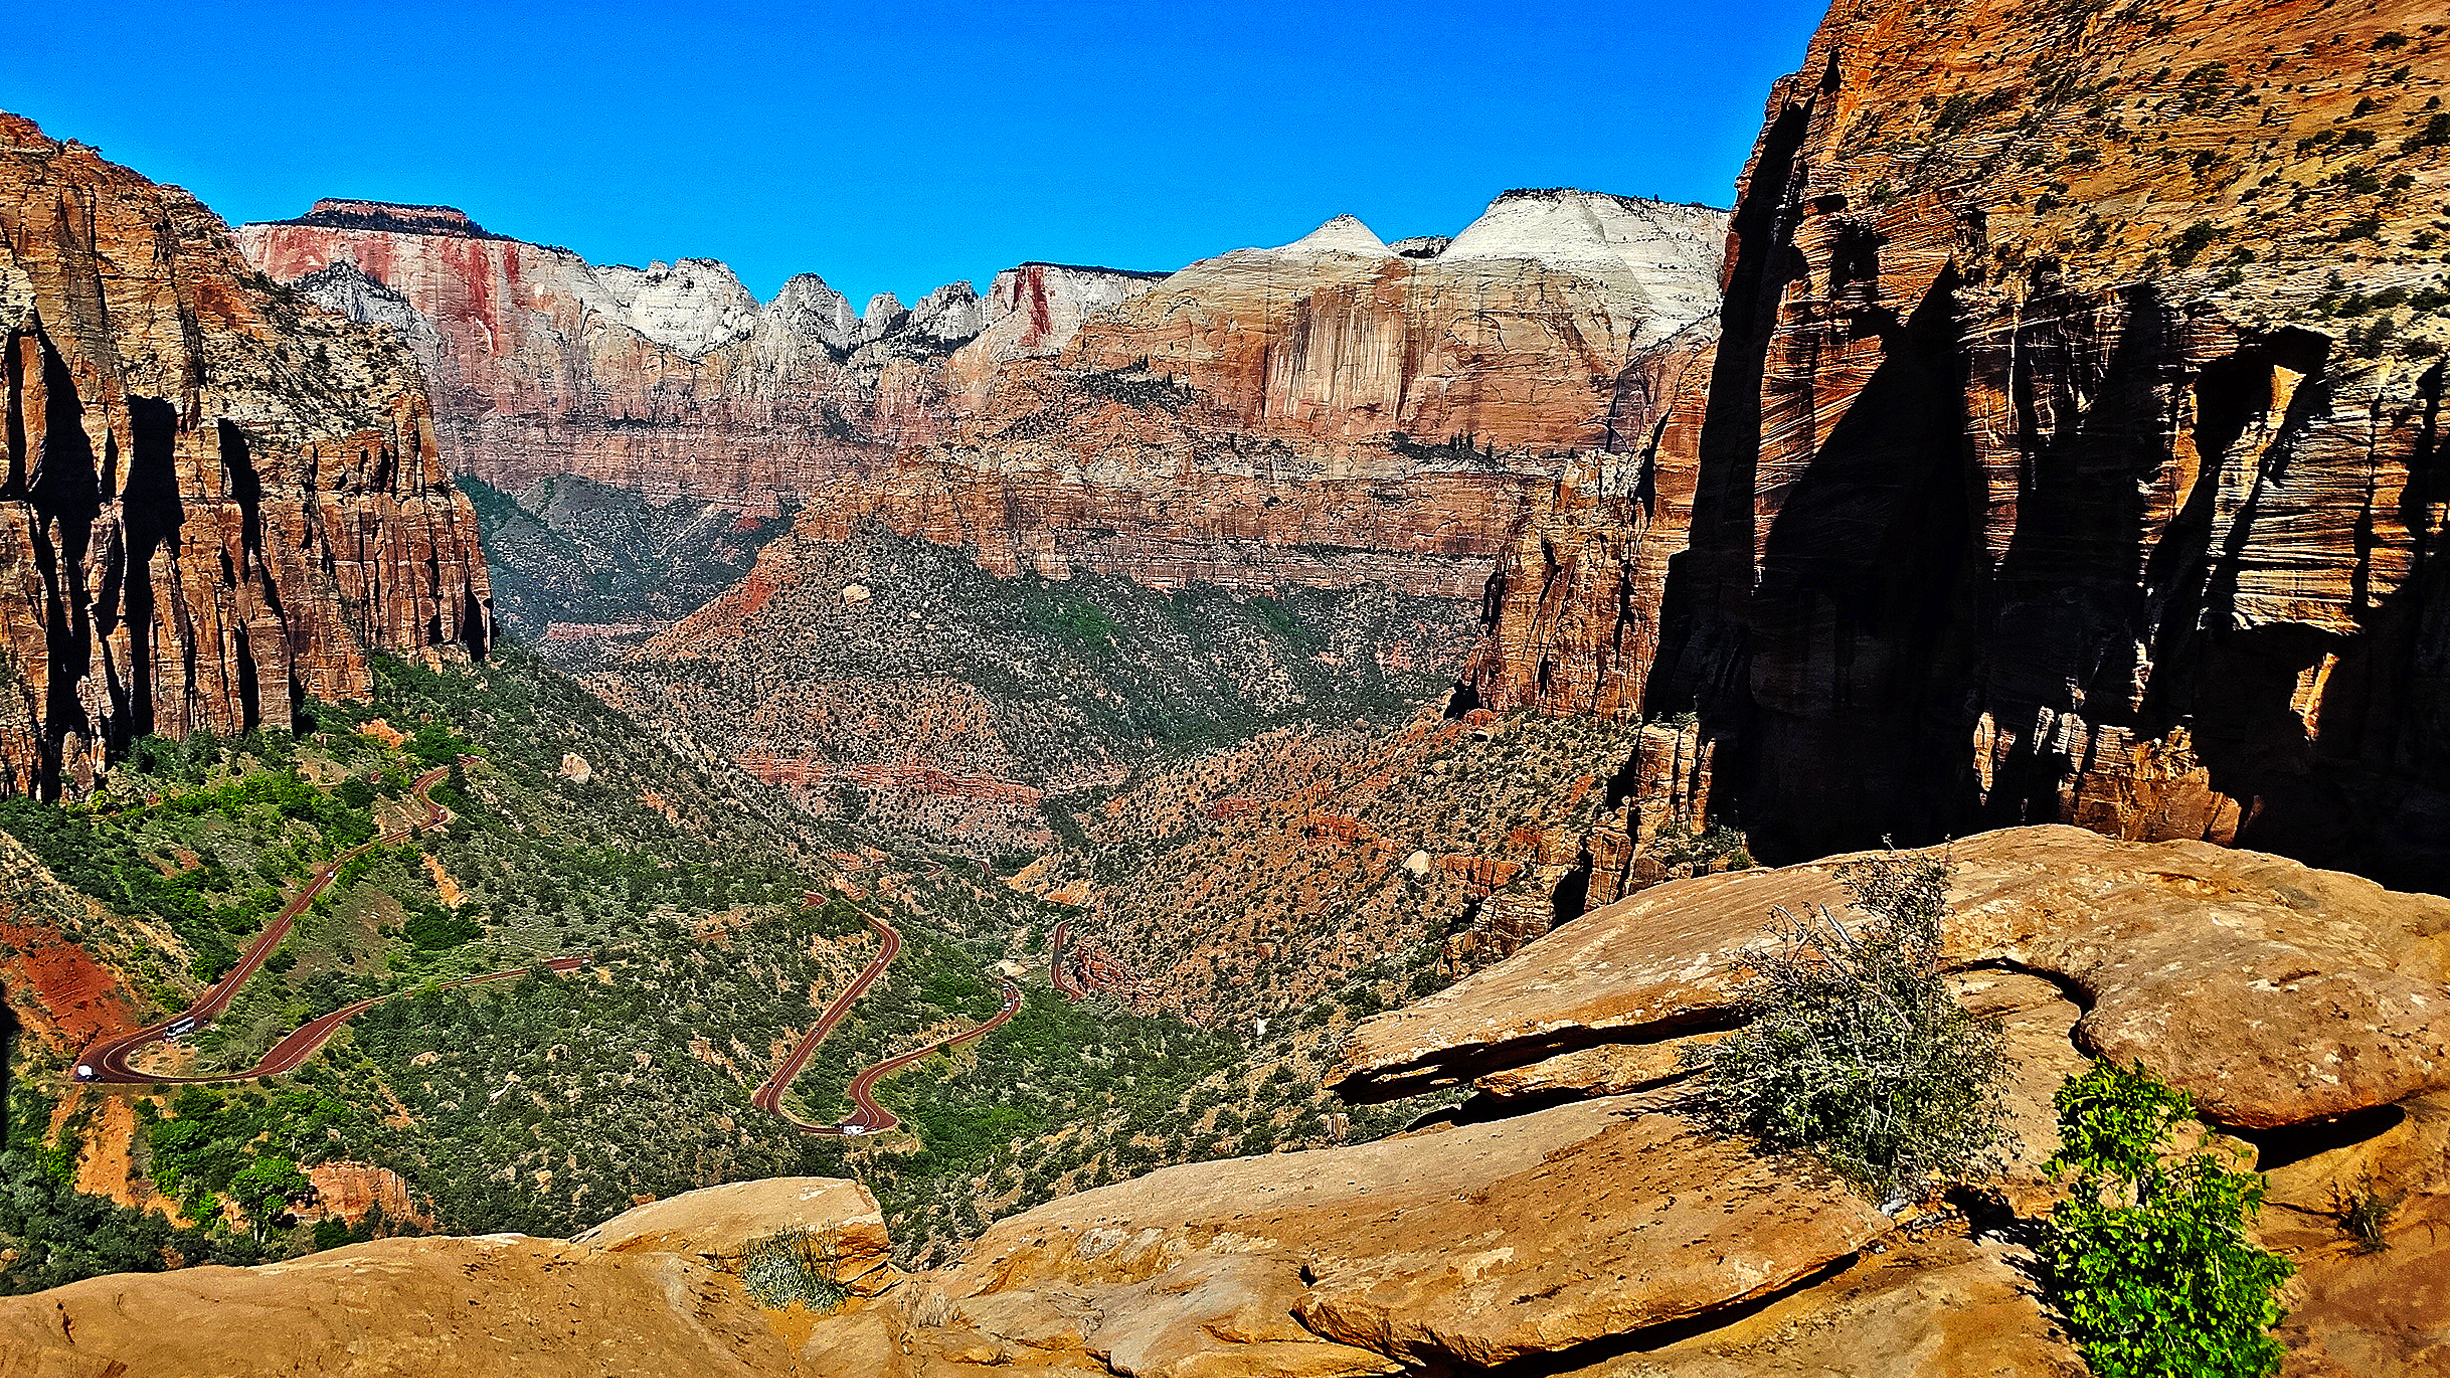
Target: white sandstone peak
(1665, 256)
(952, 312)
(1342, 235)
(811, 309)
(690, 307)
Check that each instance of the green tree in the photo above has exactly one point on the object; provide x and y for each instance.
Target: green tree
(264, 1188)
(2149, 1258)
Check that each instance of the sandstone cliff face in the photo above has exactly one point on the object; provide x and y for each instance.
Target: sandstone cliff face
(218, 498)
(2070, 452)
(1324, 413)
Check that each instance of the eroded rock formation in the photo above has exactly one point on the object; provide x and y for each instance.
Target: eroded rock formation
(1324, 413)
(2071, 450)
(219, 497)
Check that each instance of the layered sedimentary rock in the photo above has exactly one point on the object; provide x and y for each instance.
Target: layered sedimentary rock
(2070, 450)
(1326, 412)
(1572, 612)
(219, 498)
(671, 380)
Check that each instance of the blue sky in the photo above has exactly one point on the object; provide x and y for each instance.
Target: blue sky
(895, 147)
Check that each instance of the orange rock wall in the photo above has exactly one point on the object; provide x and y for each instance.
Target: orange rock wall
(2070, 451)
(217, 499)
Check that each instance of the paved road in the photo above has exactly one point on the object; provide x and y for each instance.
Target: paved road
(867, 1117)
(769, 1095)
(1063, 982)
(107, 1062)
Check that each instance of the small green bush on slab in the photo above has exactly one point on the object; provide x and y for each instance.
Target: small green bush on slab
(796, 1268)
(2148, 1258)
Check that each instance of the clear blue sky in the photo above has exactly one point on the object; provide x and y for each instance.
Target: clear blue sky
(895, 147)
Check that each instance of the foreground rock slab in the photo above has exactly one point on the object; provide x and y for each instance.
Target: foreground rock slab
(640, 1294)
(1479, 1245)
(435, 1308)
(2276, 993)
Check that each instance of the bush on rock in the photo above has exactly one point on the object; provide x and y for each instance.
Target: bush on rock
(1856, 1049)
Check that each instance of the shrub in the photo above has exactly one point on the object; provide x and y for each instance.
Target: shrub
(2148, 1258)
(1856, 1049)
(2364, 1214)
(795, 1268)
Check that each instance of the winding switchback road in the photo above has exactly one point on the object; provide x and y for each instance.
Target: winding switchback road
(107, 1062)
(867, 1117)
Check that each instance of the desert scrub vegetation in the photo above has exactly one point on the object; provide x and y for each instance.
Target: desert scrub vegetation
(795, 1268)
(2148, 1259)
(1856, 1048)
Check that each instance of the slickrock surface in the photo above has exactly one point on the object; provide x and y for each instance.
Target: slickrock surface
(642, 1294)
(721, 1221)
(436, 1307)
(1475, 1245)
(2071, 443)
(218, 498)
(2277, 994)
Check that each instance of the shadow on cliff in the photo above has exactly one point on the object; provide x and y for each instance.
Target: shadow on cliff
(2368, 789)
(1846, 675)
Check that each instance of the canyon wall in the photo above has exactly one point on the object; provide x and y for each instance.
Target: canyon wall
(219, 498)
(1325, 413)
(2071, 452)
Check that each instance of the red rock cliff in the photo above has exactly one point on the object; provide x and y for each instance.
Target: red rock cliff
(1324, 412)
(218, 498)
(2072, 451)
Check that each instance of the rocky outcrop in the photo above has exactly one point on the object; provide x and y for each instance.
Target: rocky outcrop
(718, 1223)
(2168, 949)
(219, 498)
(1572, 612)
(654, 1291)
(2071, 448)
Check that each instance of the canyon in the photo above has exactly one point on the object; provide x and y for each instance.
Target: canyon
(1335, 414)
(1330, 704)
(1324, 413)
(219, 499)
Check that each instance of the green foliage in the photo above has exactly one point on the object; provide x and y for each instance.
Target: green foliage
(1857, 1050)
(132, 858)
(2364, 1215)
(2191, 244)
(2148, 1258)
(264, 1189)
(51, 1234)
(1072, 619)
(436, 928)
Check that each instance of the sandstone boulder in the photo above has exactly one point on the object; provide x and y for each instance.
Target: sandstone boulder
(1475, 1245)
(2276, 993)
(718, 1222)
